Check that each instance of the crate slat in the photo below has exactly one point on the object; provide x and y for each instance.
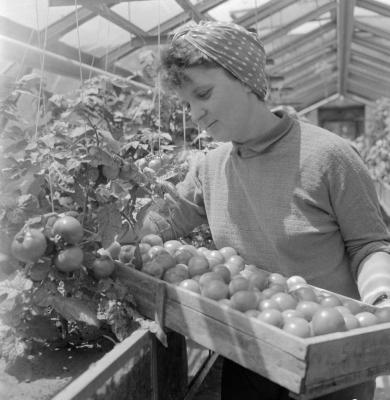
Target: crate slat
(307, 367)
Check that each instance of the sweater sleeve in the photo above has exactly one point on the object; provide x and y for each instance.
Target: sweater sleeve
(356, 206)
(189, 211)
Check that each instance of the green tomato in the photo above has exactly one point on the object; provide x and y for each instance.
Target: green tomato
(29, 245)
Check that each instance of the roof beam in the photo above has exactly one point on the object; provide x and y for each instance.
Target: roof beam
(61, 3)
(297, 59)
(192, 11)
(318, 104)
(359, 87)
(293, 45)
(370, 75)
(375, 69)
(368, 59)
(372, 29)
(66, 24)
(11, 49)
(345, 20)
(359, 99)
(375, 6)
(372, 46)
(112, 16)
(127, 48)
(298, 22)
(16, 31)
(183, 17)
(262, 12)
(300, 74)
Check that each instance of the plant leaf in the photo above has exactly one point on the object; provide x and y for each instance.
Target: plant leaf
(75, 309)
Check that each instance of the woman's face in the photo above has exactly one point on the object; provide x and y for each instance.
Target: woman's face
(219, 104)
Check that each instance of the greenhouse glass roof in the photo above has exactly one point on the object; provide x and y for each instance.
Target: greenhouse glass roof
(318, 50)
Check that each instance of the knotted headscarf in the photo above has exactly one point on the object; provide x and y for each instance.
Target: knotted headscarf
(233, 47)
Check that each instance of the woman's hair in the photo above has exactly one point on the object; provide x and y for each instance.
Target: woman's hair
(179, 56)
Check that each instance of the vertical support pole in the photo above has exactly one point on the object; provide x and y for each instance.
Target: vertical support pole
(169, 368)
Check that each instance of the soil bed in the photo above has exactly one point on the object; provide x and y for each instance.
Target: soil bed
(47, 371)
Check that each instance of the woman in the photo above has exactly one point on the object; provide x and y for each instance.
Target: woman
(290, 197)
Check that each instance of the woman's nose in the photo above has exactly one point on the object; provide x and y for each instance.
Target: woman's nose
(197, 114)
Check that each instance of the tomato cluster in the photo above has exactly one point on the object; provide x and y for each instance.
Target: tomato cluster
(60, 238)
(223, 276)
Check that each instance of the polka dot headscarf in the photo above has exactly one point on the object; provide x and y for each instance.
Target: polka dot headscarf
(233, 47)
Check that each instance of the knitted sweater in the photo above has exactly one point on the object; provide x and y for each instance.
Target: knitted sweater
(298, 201)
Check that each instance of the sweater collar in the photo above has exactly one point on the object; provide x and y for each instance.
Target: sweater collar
(261, 144)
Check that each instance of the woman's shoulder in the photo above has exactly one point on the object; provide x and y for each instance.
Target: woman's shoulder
(317, 139)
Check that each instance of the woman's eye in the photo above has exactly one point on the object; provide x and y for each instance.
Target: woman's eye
(205, 94)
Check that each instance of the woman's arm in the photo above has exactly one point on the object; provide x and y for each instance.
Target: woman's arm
(374, 278)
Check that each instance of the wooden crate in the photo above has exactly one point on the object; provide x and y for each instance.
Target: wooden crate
(307, 367)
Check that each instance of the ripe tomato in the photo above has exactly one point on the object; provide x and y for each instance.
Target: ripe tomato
(198, 265)
(69, 259)
(190, 248)
(114, 249)
(327, 320)
(353, 306)
(284, 301)
(383, 314)
(244, 300)
(103, 267)
(152, 239)
(171, 246)
(351, 322)
(155, 250)
(305, 293)
(182, 256)
(295, 280)
(367, 318)
(292, 313)
(278, 279)
(215, 289)
(215, 258)
(267, 304)
(155, 164)
(29, 245)
(258, 280)
(69, 229)
(238, 283)
(297, 326)
(223, 271)
(331, 301)
(190, 284)
(176, 274)
(203, 251)
(227, 252)
(208, 276)
(225, 303)
(152, 268)
(307, 308)
(235, 263)
(271, 316)
(165, 260)
(126, 253)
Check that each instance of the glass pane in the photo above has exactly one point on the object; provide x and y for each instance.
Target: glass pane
(231, 9)
(148, 14)
(97, 36)
(34, 14)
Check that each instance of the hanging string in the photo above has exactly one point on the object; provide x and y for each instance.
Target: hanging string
(106, 52)
(158, 76)
(43, 48)
(78, 41)
(19, 73)
(184, 129)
